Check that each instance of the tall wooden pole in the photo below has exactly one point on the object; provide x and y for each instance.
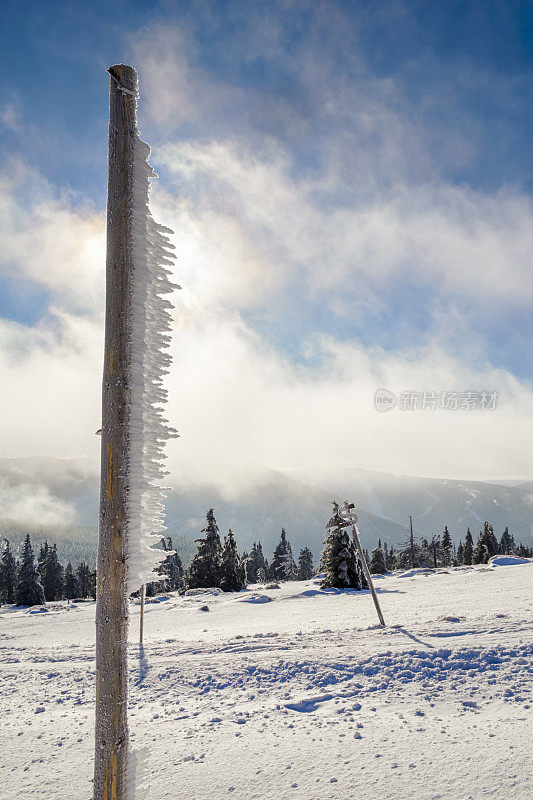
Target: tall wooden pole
(111, 733)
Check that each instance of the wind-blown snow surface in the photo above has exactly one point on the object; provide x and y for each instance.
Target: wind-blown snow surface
(290, 692)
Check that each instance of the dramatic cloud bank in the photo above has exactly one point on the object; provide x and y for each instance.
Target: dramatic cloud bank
(325, 250)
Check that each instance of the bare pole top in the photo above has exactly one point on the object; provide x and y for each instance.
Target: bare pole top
(126, 78)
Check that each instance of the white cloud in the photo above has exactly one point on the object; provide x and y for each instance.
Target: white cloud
(259, 237)
(48, 243)
(50, 377)
(34, 504)
(236, 401)
(256, 227)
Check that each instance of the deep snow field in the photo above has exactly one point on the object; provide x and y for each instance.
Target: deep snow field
(289, 693)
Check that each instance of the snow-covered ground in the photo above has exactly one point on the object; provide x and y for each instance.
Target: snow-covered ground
(289, 693)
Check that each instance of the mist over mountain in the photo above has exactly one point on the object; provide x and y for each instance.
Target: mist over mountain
(57, 499)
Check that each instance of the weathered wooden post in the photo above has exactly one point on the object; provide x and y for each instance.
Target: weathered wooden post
(111, 733)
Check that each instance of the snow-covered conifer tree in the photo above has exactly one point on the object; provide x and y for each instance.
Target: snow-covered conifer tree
(171, 569)
(468, 548)
(41, 563)
(8, 574)
(305, 564)
(460, 553)
(446, 547)
(377, 562)
(435, 548)
(507, 543)
(250, 561)
(72, 584)
(261, 563)
(83, 574)
(339, 560)
(283, 567)
(204, 569)
(29, 591)
(232, 571)
(52, 575)
(486, 546)
(291, 570)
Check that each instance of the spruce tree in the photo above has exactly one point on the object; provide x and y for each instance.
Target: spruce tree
(171, 568)
(291, 570)
(377, 564)
(250, 561)
(446, 545)
(338, 559)
(435, 548)
(29, 591)
(52, 575)
(204, 569)
(41, 562)
(305, 564)
(486, 546)
(83, 574)
(255, 564)
(507, 544)
(262, 565)
(232, 571)
(491, 540)
(468, 551)
(92, 584)
(72, 584)
(283, 567)
(460, 553)
(8, 574)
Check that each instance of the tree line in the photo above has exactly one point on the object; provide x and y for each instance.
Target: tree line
(218, 564)
(27, 582)
(439, 551)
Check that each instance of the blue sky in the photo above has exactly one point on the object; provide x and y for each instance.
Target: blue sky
(339, 175)
(467, 64)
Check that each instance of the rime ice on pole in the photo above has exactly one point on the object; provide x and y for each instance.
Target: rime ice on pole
(150, 335)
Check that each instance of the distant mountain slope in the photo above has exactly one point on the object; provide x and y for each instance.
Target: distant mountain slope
(58, 499)
(435, 502)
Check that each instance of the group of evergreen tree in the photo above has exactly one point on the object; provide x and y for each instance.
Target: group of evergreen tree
(216, 565)
(219, 565)
(439, 551)
(488, 545)
(256, 565)
(382, 559)
(20, 581)
(27, 582)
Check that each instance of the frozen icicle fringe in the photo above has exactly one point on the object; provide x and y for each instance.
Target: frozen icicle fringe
(150, 335)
